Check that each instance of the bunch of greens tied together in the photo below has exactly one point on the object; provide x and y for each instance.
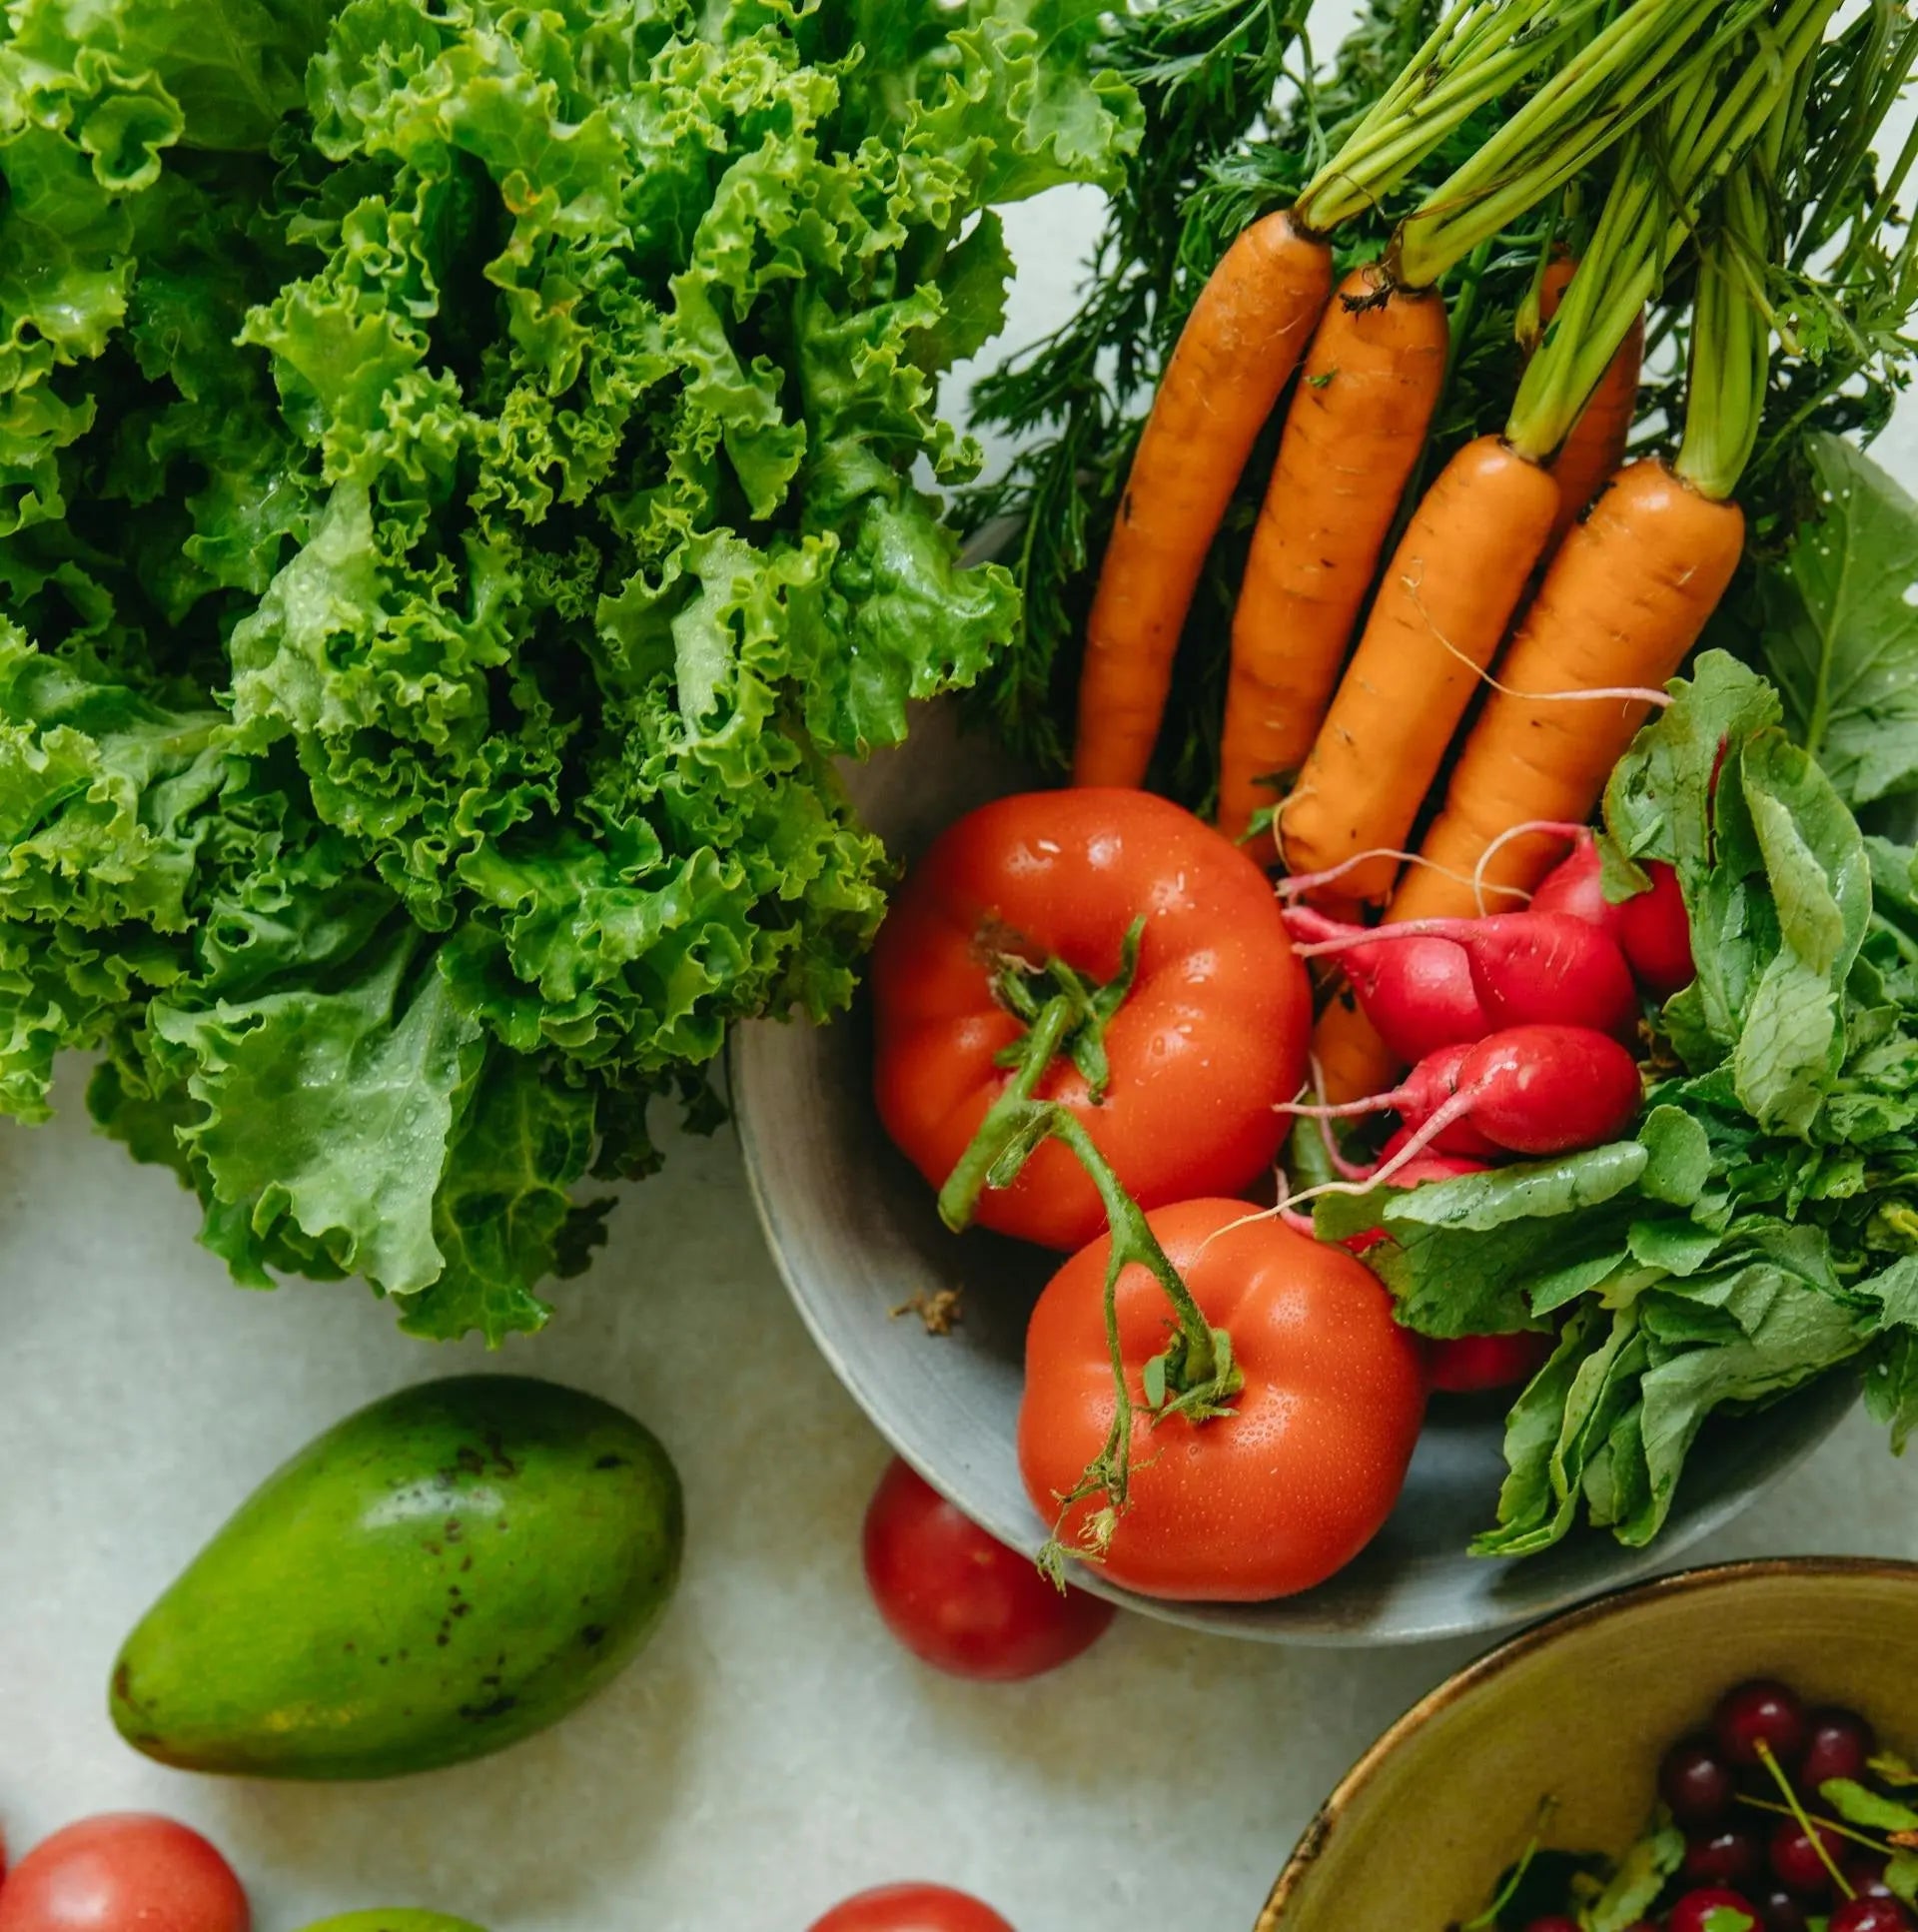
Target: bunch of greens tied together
(1761, 1231)
(456, 498)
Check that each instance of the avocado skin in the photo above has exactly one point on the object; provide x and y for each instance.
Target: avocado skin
(437, 1576)
(395, 1919)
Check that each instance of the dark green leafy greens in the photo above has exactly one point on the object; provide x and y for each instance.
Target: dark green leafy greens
(1836, 617)
(455, 499)
(1761, 1230)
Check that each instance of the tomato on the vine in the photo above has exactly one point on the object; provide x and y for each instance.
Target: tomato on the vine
(1032, 899)
(911, 1908)
(961, 1600)
(1301, 1466)
(124, 1871)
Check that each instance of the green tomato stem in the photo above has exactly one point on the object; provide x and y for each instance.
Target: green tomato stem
(959, 1197)
(1194, 1376)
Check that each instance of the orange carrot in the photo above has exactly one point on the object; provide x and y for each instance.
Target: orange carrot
(1354, 1062)
(1357, 424)
(1554, 280)
(1591, 456)
(1240, 347)
(1440, 614)
(1625, 598)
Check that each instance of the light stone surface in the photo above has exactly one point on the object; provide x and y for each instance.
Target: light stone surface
(774, 1750)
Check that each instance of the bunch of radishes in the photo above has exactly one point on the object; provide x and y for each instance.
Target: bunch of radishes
(1519, 1025)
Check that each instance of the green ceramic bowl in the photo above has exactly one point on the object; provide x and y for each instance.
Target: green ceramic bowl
(1581, 1708)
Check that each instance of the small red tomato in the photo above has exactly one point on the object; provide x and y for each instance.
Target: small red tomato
(961, 1600)
(1209, 1040)
(1473, 1364)
(912, 1908)
(1298, 1477)
(125, 1871)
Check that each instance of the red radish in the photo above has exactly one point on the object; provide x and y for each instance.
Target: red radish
(1538, 1090)
(1575, 886)
(1655, 931)
(1418, 993)
(1474, 1363)
(1426, 1089)
(1651, 928)
(1529, 968)
(1412, 1173)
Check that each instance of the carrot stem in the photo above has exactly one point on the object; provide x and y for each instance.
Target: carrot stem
(1722, 101)
(1595, 100)
(1731, 344)
(1475, 53)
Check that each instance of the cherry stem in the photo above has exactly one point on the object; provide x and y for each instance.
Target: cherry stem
(1831, 1825)
(1768, 1758)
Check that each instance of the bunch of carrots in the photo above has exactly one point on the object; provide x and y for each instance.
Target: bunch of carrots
(1543, 589)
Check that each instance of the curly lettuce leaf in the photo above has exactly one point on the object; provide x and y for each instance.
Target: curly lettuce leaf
(1014, 89)
(458, 495)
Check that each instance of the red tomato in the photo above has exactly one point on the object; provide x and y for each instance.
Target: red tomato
(961, 1600)
(1473, 1364)
(123, 1872)
(1209, 1040)
(1297, 1479)
(912, 1908)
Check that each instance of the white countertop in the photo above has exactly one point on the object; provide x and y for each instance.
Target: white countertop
(774, 1750)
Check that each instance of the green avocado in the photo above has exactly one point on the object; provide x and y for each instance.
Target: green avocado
(438, 1576)
(395, 1919)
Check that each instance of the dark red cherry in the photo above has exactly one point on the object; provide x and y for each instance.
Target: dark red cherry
(1762, 1712)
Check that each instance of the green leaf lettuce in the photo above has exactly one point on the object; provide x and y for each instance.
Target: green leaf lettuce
(463, 481)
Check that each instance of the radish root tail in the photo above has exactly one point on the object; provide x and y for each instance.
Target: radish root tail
(1453, 1110)
(1543, 827)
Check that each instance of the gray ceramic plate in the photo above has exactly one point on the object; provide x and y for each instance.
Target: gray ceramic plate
(855, 1234)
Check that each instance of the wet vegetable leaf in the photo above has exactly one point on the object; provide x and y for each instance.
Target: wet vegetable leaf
(504, 441)
(1858, 1805)
(1840, 626)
